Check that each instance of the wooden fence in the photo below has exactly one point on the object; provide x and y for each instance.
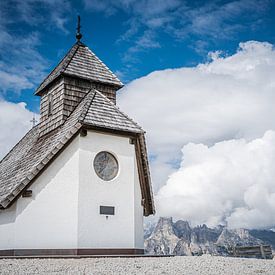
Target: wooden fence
(259, 251)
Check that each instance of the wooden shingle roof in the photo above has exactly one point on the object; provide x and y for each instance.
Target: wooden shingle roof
(32, 153)
(103, 113)
(81, 62)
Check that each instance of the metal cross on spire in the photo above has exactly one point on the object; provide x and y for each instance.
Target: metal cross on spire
(33, 121)
(78, 33)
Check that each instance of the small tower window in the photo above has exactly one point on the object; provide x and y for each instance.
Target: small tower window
(50, 104)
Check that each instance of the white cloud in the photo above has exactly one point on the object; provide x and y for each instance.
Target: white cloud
(14, 123)
(232, 182)
(208, 22)
(218, 21)
(229, 97)
(16, 82)
(144, 8)
(144, 42)
(22, 66)
(50, 13)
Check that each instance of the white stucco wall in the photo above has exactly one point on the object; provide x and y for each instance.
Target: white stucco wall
(49, 218)
(7, 227)
(63, 211)
(123, 230)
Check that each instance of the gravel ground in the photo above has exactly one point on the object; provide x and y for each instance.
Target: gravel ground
(164, 265)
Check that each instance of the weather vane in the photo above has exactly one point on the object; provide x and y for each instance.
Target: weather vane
(78, 33)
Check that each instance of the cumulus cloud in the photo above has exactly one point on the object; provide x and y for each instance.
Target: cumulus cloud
(21, 64)
(231, 182)
(50, 13)
(227, 98)
(14, 123)
(23, 67)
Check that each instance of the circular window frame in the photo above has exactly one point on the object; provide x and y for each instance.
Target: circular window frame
(116, 160)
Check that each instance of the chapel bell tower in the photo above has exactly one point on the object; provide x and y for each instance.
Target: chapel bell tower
(62, 90)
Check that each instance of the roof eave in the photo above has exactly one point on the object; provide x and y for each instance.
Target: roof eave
(39, 91)
(118, 84)
(145, 181)
(144, 176)
(112, 130)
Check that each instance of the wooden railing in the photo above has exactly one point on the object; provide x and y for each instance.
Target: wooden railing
(259, 251)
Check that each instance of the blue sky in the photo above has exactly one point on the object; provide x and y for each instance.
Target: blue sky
(205, 67)
(133, 38)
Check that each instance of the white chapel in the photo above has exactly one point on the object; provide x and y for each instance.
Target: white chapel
(78, 183)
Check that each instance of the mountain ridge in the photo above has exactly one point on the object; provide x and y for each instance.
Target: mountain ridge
(179, 238)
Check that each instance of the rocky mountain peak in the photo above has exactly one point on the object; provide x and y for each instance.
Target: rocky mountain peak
(163, 239)
(165, 225)
(233, 237)
(180, 238)
(182, 229)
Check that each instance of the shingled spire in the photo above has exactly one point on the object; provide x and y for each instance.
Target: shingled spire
(68, 83)
(81, 62)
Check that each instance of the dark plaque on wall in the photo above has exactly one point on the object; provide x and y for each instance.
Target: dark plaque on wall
(107, 210)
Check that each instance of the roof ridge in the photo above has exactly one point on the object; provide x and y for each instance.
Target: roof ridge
(70, 59)
(72, 112)
(117, 108)
(86, 105)
(10, 151)
(39, 166)
(104, 65)
(43, 85)
(82, 64)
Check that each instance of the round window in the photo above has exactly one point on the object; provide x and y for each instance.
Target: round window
(105, 165)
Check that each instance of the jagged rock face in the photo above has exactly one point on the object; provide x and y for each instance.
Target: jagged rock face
(203, 234)
(148, 229)
(180, 239)
(183, 230)
(233, 237)
(183, 248)
(163, 239)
